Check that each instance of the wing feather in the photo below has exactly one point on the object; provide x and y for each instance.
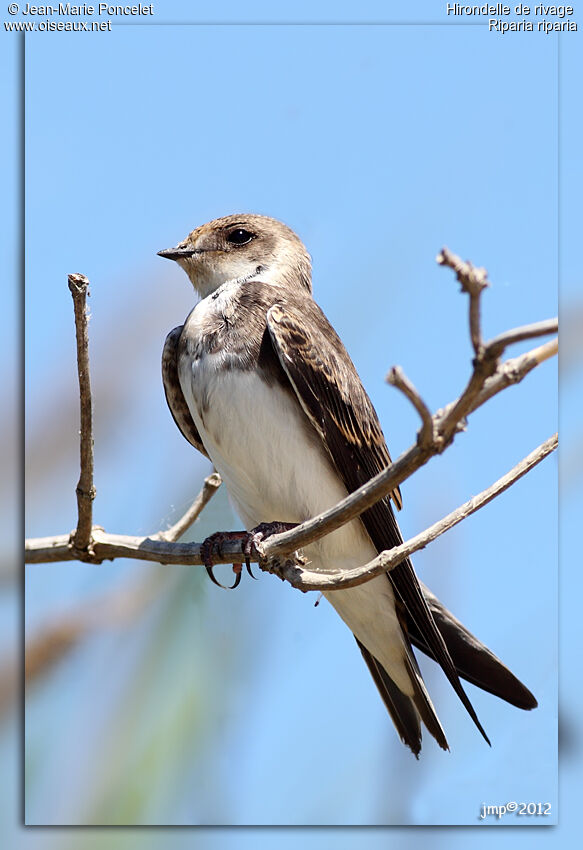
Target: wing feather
(331, 394)
(173, 391)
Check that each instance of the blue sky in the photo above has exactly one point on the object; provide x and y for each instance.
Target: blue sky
(377, 144)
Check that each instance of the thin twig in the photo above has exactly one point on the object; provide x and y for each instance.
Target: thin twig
(514, 370)
(509, 372)
(110, 546)
(444, 426)
(499, 343)
(350, 507)
(210, 486)
(81, 539)
(149, 549)
(305, 579)
(473, 280)
(160, 547)
(153, 548)
(488, 378)
(397, 378)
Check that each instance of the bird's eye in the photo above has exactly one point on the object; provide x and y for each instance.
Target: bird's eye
(239, 236)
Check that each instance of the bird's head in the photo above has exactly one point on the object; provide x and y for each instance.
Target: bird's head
(242, 247)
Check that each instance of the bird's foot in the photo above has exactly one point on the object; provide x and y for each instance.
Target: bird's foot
(264, 530)
(214, 543)
(250, 538)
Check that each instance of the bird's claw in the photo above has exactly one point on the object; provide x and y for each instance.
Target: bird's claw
(206, 550)
(252, 539)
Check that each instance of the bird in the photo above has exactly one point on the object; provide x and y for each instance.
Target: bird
(257, 379)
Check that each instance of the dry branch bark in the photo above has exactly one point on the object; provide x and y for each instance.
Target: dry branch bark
(210, 486)
(110, 546)
(304, 579)
(81, 538)
(275, 554)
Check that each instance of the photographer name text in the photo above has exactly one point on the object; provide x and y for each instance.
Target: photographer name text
(69, 10)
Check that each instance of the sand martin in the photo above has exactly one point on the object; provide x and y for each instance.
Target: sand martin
(258, 380)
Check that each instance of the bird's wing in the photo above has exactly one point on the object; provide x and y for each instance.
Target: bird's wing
(473, 661)
(174, 396)
(332, 396)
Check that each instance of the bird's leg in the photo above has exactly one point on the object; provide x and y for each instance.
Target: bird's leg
(251, 538)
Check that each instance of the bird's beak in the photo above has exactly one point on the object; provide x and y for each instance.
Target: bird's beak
(177, 253)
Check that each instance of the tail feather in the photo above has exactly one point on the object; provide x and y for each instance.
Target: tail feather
(473, 660)
(423, 703)
(383, 530)
(416, 609)
(405, 711)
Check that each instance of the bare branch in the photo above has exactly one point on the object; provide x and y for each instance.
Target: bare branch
(305, 579)
(436, 434)
(397, 378)
(443, 428)
(44, 550)
(209, 488)
(499, 343)
(149, 549)
(508, 373)
(485, 367)
(488, 378)
(81, 539)
(474, 281)
(350, 507)
(159, 547)
(513, 371)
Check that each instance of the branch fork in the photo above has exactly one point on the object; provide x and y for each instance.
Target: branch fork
(281, 553)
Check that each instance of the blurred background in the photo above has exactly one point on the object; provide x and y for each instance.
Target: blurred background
(155, 698)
